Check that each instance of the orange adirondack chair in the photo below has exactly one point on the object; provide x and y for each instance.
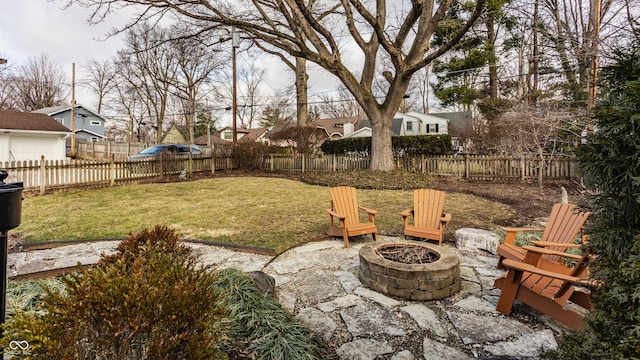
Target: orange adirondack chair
(345, 217)
(565, 223)
(547, 286)
(428, 216)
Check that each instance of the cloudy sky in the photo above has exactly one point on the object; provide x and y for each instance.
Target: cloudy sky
(29, 28)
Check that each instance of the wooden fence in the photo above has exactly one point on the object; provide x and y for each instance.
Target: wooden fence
(468, 167)
(42, 176)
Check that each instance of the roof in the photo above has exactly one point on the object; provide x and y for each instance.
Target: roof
(214, 139)
(52, 110)
(335, 125)
(460, 123)
(16, 120)
(252, 134)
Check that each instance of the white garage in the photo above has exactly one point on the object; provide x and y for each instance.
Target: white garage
(29, 136)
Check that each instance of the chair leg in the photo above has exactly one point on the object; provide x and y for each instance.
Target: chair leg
(346, 239)
(509, 291)
(373, 235)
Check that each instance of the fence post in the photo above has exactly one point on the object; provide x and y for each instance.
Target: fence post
(213, 162)
(43, 176)
(466, 166)
(333, 162)
(112, 170)
(303, 164)
(522, 167)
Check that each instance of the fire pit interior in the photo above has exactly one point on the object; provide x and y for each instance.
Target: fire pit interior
(408, 254)
(410, 269)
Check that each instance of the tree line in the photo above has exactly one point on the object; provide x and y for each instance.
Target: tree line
(526, 69)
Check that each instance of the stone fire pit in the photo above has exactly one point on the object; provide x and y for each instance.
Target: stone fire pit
(410, 270)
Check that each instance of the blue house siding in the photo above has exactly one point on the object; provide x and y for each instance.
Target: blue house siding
(88, 125)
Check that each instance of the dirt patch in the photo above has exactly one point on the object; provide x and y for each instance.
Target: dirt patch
(527, 199)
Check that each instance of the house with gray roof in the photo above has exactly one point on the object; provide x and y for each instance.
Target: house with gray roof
(29, 136)
(88, 125)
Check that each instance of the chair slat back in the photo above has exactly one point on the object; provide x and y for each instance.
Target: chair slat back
(428, 205)
(565, 223)
(344, 202)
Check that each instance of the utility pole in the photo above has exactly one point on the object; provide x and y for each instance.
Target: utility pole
(72, 153)
(235, 43)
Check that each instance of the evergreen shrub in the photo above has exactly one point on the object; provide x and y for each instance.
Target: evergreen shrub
(610, 162)
(405, 145)
(150, 300)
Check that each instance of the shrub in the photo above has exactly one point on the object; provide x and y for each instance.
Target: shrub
(410, 145)
(148, 301)
(260, 326)
(611, 164)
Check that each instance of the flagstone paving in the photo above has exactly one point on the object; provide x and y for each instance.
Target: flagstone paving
(318, 284)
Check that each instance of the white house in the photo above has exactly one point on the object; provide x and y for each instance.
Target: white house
(28, 136)
(404, 124)
(426, 124)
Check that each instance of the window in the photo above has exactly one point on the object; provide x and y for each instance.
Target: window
(95, 123)
(409, 125)
(227, 135)
(94, 139)
(432, 128)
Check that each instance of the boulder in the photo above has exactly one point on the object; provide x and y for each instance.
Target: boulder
(477, 239)
(265, 282)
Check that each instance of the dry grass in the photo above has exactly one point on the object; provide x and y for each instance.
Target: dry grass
(264, 212)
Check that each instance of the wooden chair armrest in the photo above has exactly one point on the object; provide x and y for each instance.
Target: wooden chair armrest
(520, 229)
(520, 266)
(373, 212)
(407, 213)
(511, 232)
(446, 217)
(552, 244)
(545, 251)
(335, 214)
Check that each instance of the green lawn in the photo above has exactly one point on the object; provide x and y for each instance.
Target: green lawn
(264, 212)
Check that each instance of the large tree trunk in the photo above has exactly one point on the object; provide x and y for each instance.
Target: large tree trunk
(381, 149)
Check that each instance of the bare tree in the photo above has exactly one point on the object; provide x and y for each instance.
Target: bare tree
(130, 104)
(100, 78)
(149, 66)
(546, 128)
(7, 101)
(318, 31)
(195, 64)
(38, 84)
(299, 67)
(576, 31)
(251, 80)
(340, 104)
